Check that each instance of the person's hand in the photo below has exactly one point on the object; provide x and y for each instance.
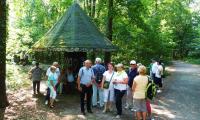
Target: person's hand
(80, 89)
(99, 85)
(88, 85)
(115, 81)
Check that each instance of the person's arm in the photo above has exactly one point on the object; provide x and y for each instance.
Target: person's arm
(125, 81)
(92, 79)
(93, 76)
(79, 83)
(79, 79)
(31, 71)
(133, 86)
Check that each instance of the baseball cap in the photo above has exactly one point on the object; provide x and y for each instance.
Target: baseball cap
(133, 62)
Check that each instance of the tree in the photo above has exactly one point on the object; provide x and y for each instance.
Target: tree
(109, 29)
(3, 34)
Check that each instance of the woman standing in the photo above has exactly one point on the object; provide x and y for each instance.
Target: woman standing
(120, 85)
(107, 86)
(52, 81)
(139, 88)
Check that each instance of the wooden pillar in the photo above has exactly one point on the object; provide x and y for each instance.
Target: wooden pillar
(107, 57)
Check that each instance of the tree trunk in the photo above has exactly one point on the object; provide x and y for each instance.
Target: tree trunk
(3, 35)
(109, 29)
(90, 8)
(93, 8)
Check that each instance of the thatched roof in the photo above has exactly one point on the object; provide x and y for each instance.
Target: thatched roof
(75, 31)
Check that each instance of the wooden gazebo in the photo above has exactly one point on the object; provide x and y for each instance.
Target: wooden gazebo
(75, 34)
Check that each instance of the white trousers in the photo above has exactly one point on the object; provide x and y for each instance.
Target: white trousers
(108, 95)
(52, 92)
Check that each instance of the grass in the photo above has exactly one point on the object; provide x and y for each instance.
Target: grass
(193, 60)
(17, 77)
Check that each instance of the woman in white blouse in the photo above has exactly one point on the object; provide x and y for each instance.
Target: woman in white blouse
(120, 85)
(107, 85)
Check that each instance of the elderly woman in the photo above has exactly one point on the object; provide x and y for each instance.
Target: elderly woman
(52, 81)
(107, 86)
(139, 88)
(120, 85)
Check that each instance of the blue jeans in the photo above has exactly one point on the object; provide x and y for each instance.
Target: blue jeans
(94, 96)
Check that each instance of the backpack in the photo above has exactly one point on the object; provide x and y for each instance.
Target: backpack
(151, 89)
(99, 75)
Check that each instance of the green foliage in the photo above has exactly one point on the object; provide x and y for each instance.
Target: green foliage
(142, 29)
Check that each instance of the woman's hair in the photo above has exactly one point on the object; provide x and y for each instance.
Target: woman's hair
(111, 64)
(53, 68)
(142, 70)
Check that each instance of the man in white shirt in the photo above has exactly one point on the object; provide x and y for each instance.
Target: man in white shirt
(154, 69)
(158, 75)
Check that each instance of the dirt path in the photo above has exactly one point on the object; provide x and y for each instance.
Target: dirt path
(180, 99)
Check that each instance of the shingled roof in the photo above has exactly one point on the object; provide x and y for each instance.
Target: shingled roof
(74, 32)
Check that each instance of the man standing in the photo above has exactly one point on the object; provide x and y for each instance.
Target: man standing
(36, 76)
(97, 89)
(132, 73)
(158, 76)
(154, 69)
(84, 81)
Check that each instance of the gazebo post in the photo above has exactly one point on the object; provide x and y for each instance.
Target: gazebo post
(107, 57)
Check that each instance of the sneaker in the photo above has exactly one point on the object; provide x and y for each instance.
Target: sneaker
(46, 102)
(133, 110)
(159, 91)
(118, 117)
(104, 111)
(127, 106)
(83, 113)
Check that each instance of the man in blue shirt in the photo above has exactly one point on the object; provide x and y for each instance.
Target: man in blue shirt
(98, 73)
(132, 73)
(84, 81)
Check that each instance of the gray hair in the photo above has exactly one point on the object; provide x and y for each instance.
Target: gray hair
(55, 63)
(98, 60)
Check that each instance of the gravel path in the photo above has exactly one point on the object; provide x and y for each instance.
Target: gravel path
(180, 99)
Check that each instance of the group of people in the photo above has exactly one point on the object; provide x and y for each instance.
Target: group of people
(57, 80)
(112, 84)
(102, 86)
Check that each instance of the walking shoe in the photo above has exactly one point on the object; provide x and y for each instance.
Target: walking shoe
(159, 91)
(46, 102)
(133, 110)
(83, 113)
(104, 111)
(127, 106)
(118, 117)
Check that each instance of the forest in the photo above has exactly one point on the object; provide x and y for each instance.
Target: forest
(141, 29)
(166, 29)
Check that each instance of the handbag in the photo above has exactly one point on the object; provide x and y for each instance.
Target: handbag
(107, 83)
